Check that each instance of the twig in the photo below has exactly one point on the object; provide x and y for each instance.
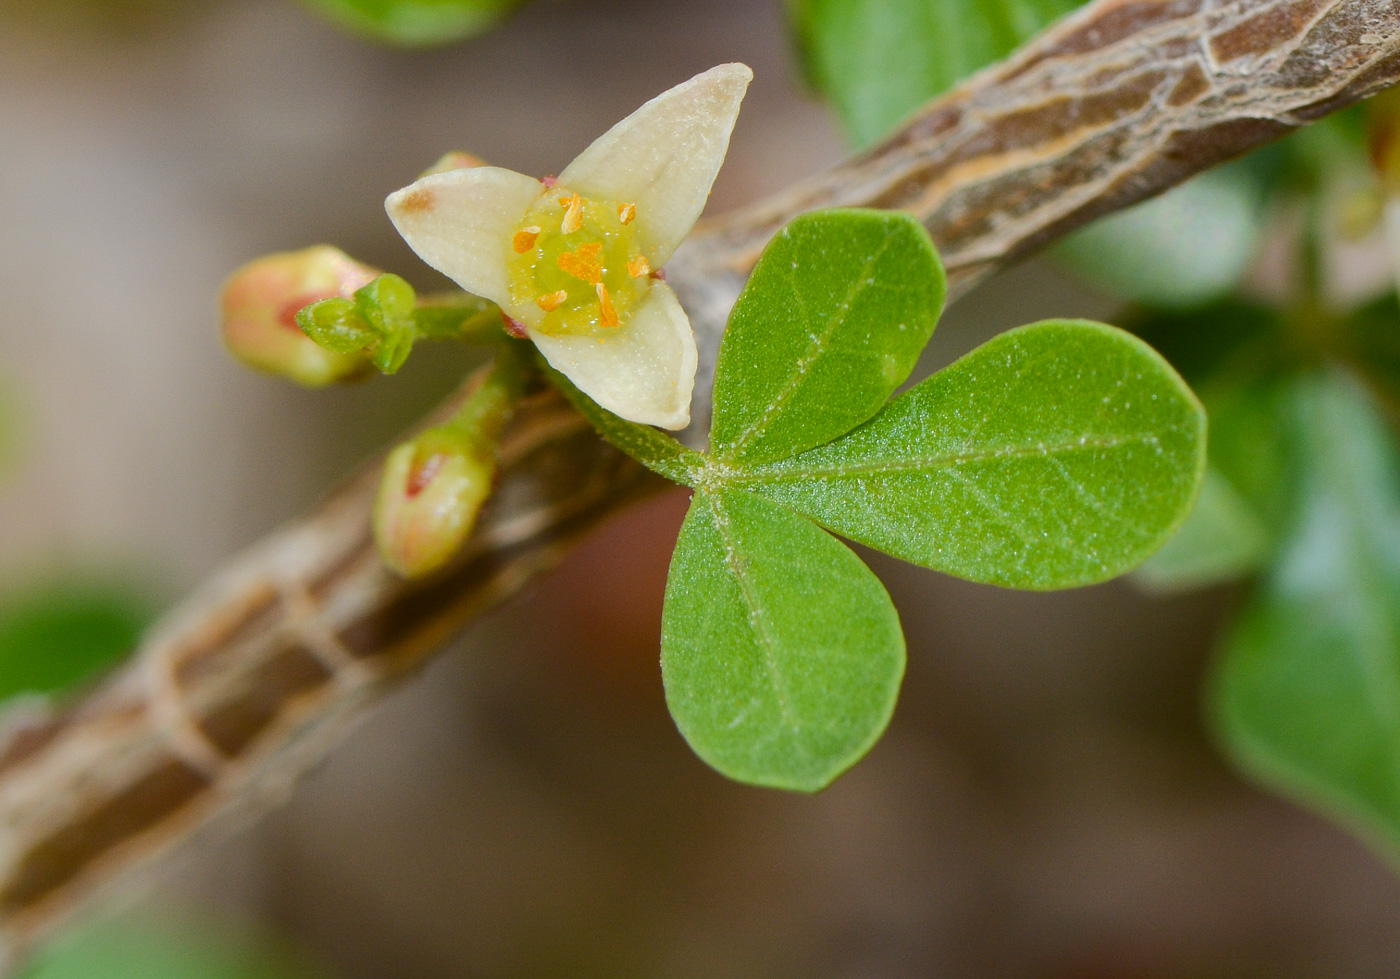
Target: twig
(258, 674)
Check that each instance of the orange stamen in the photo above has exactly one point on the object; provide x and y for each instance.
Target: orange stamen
(573, 213)
(638, 267)
(524, 239)
(584, 263)
(606, 309)
(626, 212)
(552, 301)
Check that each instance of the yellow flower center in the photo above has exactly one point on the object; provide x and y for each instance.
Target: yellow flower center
(580, 261)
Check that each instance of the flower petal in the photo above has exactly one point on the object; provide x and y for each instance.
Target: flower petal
(460, 223)
(644, 372)
(664, 156)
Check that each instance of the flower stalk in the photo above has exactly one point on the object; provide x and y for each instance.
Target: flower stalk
(435, 484)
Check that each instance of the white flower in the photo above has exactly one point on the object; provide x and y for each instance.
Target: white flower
(571, 259)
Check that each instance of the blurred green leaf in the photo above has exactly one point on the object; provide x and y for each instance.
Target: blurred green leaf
(879, 60)
(1222, 540)
(416, 23)
(1185, 249)
(1371, 344)
(1307, 695)
(832, 321)
(1228, 339)
(780, 650)
(176, 949)
(1058, 454)
(61, 634)
(1236, 357)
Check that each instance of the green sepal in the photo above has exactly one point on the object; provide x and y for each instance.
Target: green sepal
(336, 324)
(781, 652)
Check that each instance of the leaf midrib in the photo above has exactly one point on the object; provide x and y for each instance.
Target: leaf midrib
(907, 464)
(766, 642)
(814, 350)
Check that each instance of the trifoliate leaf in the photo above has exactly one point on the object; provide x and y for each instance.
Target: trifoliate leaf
(780, 650)
(830, 324)
(1307, 696)
(1058, 454)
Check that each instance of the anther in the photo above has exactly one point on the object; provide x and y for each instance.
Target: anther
(626, 212)
(638, 267)
(607, 312)
(524, 239)
(573, 214)
(551, 301)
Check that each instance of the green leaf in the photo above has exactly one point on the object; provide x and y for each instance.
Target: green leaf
(416, 23)
(148, 949)
(879, 60)
(61, 634)
(1184, 249)
(781, 652)
(832, 321)
(1059, 454)
(1222, 540)
(654, 449)
(1307, 695)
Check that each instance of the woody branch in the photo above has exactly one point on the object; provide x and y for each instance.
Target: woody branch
(260, 671)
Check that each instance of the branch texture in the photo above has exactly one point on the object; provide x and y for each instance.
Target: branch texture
(256, 675)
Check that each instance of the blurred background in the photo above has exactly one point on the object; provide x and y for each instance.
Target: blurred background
(1046, 803)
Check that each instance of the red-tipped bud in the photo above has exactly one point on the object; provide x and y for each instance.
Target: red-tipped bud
(455, 160)
(259, 303)
(429, 496)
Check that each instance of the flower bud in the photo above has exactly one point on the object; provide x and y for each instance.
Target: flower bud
(454, 160)
(432, 489)
(259, 303)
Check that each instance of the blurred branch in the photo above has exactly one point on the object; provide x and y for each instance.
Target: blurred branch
(255, 677)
